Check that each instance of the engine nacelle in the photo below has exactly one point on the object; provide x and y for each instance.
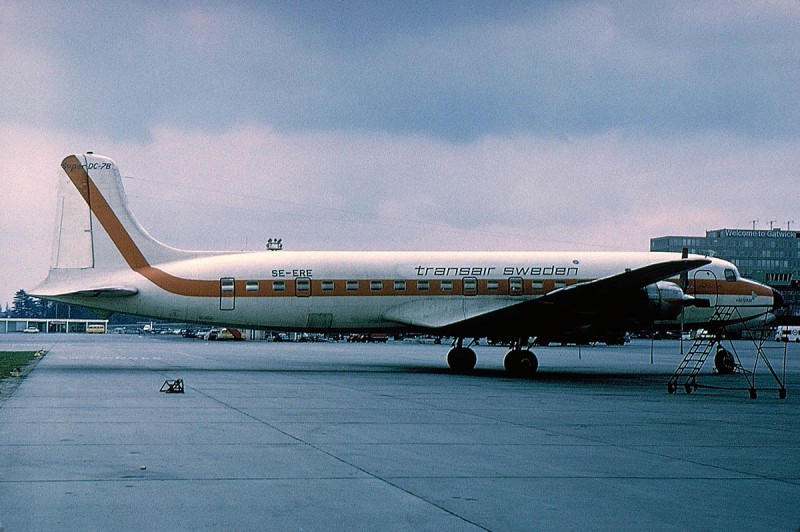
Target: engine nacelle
(665, 300)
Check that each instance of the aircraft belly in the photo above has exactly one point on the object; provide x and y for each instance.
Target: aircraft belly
(293, 312)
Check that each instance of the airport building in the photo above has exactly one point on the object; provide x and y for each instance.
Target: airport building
(12, 325)
(770, 256)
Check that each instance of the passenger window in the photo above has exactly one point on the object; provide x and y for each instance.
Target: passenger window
(423, 285)
(279, 286)
(537, 285)
(303, 285)
(327, 286)
(352, 285)
(492, 285)
(447, 285)
(251, 286)
(400, 286)
(515, 286)
(375, 285)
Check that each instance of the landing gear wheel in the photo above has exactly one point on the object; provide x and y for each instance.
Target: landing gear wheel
(724, 361)
(461, 359)
(753, 393)
(670, 388)
(521, 362)
(782, 393)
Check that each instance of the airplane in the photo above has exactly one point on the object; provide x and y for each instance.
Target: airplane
(103, 259)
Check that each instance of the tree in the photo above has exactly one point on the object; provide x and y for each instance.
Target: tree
(23, 306)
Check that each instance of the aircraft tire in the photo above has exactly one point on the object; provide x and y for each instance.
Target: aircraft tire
(461, 359)
(724, 362)
(521, 362)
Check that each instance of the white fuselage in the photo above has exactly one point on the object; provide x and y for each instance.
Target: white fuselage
(340, 291)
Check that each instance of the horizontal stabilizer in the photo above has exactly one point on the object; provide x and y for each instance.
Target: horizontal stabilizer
(108, 291)
(98, 292)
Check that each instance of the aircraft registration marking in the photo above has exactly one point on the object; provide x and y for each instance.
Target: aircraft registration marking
(306, 272)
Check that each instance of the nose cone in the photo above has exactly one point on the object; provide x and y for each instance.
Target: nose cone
(778, 302)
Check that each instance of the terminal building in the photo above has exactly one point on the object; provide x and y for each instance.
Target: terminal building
(770, 256)
(27, 325)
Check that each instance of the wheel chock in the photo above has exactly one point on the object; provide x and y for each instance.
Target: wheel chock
(175, 386)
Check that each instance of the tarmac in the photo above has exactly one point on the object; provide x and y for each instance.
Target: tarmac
(331, 436)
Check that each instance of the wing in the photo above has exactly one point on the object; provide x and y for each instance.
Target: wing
(483, 316)
(618, 285)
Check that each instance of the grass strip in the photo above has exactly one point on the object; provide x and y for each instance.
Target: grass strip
(12, 362)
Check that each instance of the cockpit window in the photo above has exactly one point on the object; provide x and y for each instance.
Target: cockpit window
(730, 275)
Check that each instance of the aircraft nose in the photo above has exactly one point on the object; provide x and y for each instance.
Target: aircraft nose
(777, 300)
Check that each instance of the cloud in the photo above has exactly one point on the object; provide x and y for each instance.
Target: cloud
(572, 69)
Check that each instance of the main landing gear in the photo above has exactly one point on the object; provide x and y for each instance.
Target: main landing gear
(519, 361)
(461, 358)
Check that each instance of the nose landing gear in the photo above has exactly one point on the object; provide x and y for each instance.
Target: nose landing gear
(724, 361)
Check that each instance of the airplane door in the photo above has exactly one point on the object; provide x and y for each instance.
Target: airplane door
(227, 293)
(515, 286)
(705, 286)
(469, 286)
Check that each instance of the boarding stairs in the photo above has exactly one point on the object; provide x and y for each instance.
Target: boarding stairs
(705, 344)
(697, 354)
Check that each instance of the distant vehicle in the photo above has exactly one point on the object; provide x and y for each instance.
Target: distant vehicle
(223, 334)
(309, 337)
(787, 333)
(30, 330)
(96, 328)
(586, 337)
(369, 338)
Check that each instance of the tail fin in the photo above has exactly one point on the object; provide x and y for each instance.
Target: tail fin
(94, 227)
(97, 237)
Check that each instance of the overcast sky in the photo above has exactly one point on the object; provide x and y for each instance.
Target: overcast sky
(403, 125)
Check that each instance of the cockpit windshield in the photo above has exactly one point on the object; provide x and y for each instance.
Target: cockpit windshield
(731, 274)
